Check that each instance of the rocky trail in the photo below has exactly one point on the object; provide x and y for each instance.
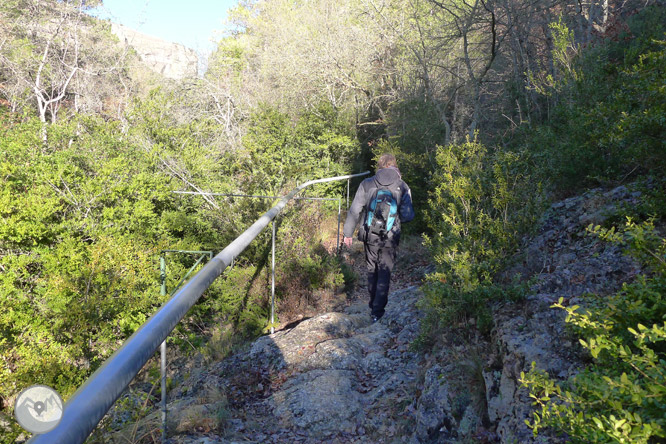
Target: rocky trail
(337, 378)
(333, 378)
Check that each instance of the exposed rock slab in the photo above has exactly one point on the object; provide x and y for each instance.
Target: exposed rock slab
(565, 263)
(333, 378)
(324, 402)
(172, 60)
(434, 420)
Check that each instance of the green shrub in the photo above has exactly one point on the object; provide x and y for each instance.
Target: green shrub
(279, 153)
(483, 202)
(80, 218)
(85, 216)
(448, 306)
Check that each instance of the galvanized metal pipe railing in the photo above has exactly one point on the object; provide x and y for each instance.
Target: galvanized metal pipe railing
(86, 408)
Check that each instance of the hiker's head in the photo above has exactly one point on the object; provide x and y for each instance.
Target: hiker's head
(386, 160)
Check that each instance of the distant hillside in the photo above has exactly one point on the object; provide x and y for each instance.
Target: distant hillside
(172, 60)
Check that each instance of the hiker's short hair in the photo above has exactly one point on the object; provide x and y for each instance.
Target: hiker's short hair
(386, 160)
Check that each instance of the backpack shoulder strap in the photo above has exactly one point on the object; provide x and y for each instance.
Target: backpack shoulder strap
(397, 189)
(372, 193)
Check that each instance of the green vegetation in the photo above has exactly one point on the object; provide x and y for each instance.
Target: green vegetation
(86, 213)
(616, 132)
(80, 227)
(84, 219)
(610, 128)
(483, 202)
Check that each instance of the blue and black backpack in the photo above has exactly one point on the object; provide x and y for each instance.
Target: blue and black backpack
(382, 212)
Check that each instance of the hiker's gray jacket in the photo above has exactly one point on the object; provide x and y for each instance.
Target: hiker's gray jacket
(386, 178)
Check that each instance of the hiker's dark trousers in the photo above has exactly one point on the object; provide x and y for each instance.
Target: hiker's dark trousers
(379, 261)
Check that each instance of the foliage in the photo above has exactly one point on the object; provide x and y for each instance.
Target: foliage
(278, 150)
(307, 269)
(80, 219)
(482, 203)
(86, 210)
(564, 53)
(613, 123)
(84, 218)
(621, 397)
(447, 306)
(652, 203)
(293, 56)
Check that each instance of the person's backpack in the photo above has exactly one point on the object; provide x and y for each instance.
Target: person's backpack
(382, 212)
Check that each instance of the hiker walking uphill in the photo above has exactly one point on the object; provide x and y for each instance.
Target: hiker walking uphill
(384, 201)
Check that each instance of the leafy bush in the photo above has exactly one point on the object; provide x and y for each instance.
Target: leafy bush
(483, 202)
(447, 306)
(279, 152)
(80, 218)
(85, 215)
(621, 397)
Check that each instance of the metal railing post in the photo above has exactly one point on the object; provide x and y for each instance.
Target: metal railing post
(337, 246)
(162, 276)
(348, 180)
(88, 405)
(273, 281)
(164, 390)
(163, 345)
(163, 292)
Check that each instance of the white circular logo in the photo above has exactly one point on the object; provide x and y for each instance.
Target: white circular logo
(38, 409)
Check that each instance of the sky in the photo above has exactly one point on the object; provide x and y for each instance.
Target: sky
(192, 23)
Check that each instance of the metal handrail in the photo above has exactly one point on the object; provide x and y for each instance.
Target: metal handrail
(88, 405)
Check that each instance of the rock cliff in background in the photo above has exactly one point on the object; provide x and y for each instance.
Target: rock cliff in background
(172, 60)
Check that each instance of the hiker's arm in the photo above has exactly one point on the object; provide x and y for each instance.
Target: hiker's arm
(354, 213)
(406, 210)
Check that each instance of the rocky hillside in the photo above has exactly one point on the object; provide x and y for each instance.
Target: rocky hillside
(172, 60)
(564, 262)
(337, 378)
